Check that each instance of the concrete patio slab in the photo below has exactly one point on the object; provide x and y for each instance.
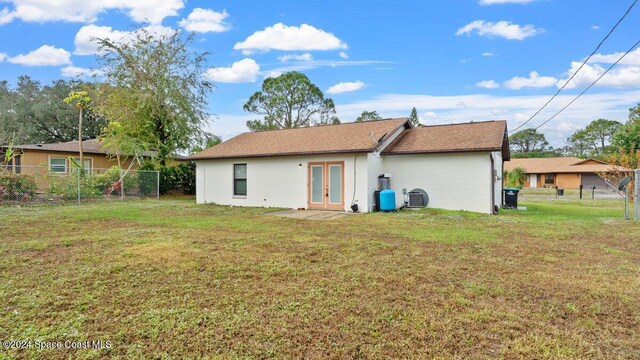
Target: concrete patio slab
(311, 214)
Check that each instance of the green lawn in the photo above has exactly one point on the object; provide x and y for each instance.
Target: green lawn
(170, 278)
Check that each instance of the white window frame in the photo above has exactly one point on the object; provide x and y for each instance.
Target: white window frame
(246, 179)
(88, 169)
(66, 167)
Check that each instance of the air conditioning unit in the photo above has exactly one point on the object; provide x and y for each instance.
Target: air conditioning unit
(416, 200)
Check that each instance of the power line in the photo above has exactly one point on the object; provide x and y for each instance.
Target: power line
(590, 85)
(580, 68)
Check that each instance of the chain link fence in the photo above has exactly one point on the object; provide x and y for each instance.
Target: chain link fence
(23, 185)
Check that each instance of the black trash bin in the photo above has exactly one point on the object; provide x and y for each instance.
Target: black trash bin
(511, 198)
(560, 192)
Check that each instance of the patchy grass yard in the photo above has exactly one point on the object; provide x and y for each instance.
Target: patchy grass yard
(173, 279)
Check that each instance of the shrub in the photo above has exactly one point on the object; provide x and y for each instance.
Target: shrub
(178, 179)
(516, 177)
(110, 180)
(17, 184)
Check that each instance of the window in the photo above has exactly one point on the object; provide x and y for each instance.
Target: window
(87, 165)
(57, 165)
(240, 179)
(18, 161)
(548, 179)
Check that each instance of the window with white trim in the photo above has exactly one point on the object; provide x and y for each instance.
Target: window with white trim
(57, 165)
(240, 179)
(87, 165)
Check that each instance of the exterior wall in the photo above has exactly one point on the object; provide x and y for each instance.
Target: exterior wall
(498, 173)
(278, 181)
(568, 181)
(454, 181)
(41, 158)
(375, 169)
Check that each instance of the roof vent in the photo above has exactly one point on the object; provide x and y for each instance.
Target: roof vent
(39, 145)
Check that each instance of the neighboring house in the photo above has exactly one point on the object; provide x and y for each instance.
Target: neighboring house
(333, 166)
(56, 157)
(563, 172)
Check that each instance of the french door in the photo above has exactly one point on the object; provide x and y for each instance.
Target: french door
(326, 185)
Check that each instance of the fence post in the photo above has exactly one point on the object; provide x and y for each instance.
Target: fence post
(580, 191)
(78, 173)
(158, 185)
(636, 200)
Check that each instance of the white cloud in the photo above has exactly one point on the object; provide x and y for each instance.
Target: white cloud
(595, 27)
(205, 20)
(85, 44)
(632, 58)
(74, 71)
(3, 57)
(430, 115)
(313, 64)
(565, 126)
(520, 118)
(343, 87)
(290, 38)
(296, 57)
(488, 84)
(343, 55)
(533, 81)
(46, 55)
(502, 29)
(625, 76)
(84, 11)
(6, 16)
(481, 107)
(494, 2)
(488, 53)
(245, 70)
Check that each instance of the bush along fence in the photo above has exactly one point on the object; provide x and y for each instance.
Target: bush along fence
(41, 184)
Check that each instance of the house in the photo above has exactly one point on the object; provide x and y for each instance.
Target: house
(563, 172)
(29, 158)
(331, 167)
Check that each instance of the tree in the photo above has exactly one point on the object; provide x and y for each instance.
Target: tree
(602, 131)
(580, 144)
(121, 143)
(154, 87)
(209, 140)
(626, 142)
(368, 115)
(516, 177)
(10, 128)
(33, 113)
(528, 140)
(414, 120)
(290, 100)
(81, 99)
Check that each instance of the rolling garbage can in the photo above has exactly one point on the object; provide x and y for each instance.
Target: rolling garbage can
(511, 198)
(560, 192)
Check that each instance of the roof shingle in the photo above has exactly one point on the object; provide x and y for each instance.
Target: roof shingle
(466, 137)
(343, 138)
(90, 146)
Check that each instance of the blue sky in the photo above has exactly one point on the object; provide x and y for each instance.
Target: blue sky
(464, 60)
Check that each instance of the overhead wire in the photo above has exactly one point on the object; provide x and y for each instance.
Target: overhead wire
(579, 68)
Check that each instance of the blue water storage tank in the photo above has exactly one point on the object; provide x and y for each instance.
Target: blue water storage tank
(387, 200)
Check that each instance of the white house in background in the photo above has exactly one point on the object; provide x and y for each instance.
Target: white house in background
(331, 167)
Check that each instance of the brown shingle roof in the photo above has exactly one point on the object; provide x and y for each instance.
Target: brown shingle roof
(561, 165)
(91, 146)
(466, 137)
(343, 138)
